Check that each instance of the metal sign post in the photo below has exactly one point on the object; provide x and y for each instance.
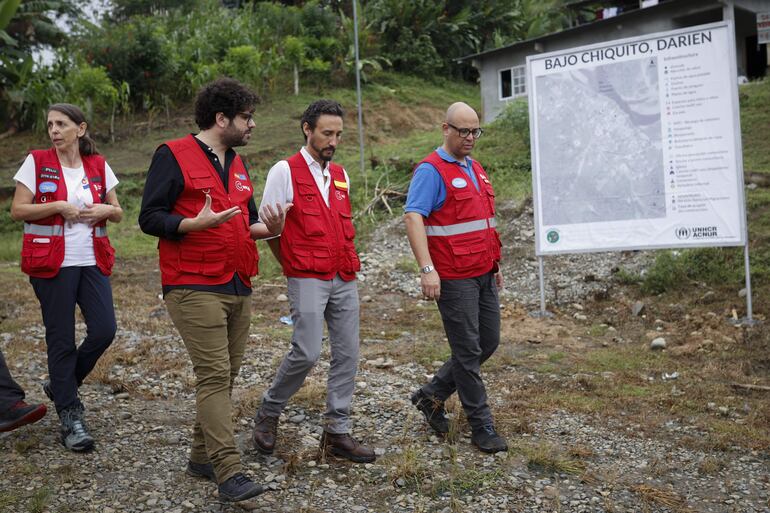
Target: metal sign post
(358, 97)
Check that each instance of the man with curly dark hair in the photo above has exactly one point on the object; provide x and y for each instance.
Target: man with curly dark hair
(319, 259)
(198, 201)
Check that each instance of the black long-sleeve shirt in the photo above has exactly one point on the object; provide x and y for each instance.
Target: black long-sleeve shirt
(162, 187)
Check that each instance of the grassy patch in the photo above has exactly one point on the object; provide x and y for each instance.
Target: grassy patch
(468, 481)
(39, 500)
(26, 442)
(548, 459)
(409, 466)
(9, 501)
(630, 359)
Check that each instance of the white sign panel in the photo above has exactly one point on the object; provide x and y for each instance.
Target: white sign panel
(636, 143)
(763, 28)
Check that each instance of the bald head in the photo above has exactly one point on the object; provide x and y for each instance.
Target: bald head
(460, 119)
(461, 112)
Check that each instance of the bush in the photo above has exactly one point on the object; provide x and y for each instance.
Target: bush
(251, 66)
(91, 88)
(679, 269)
(134, 52)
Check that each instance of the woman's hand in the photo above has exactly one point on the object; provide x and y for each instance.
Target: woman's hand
(92, 214)
(68, 211)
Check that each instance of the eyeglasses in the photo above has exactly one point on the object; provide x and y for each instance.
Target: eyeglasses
(465, 132)
(247, 116)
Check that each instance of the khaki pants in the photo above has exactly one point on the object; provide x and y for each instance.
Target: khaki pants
(214, 328)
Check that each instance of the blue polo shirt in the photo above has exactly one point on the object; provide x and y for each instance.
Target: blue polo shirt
(427, 191)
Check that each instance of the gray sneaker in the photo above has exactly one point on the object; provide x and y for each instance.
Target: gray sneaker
(74, 432)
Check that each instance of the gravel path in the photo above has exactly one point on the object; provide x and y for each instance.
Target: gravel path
(141, 407)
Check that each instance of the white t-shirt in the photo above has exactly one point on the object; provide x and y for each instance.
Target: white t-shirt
(78, 237)
(278, 186)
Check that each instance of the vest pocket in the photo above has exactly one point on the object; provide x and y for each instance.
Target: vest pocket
(42, 254)
(313, 222)
(206, 263)
(105, 255)
(347, 225)
(491, 199)
(313, 259)
(464, 205)
(468, 253)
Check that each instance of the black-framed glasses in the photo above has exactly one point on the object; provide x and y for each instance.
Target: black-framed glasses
(247, 116)
(465, 132)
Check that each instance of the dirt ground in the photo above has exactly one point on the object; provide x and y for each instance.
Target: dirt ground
(596, 420)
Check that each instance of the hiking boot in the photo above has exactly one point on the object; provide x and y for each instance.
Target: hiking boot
(203, 470)
(239, 488)
(434, 412)
(265, 432)
(345, 446)
(487, 439)
(47, 390)
(20, 414)
(74, 432)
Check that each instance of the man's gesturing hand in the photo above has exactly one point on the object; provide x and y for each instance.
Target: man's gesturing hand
(274, 219)
(207, 218)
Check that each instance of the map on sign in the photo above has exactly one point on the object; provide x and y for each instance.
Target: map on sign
(636, 143)
(579, 112)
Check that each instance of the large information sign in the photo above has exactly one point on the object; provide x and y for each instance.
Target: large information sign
(636, 143)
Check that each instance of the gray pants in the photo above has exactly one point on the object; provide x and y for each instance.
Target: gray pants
(470, 310)
(313, 301)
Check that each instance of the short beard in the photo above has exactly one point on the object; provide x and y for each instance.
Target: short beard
(321, 154)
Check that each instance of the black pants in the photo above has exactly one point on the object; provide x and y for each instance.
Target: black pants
(69, 365)
(470, 309)
(10, 392)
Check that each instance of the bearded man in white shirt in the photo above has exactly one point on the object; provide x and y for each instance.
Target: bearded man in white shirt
(319, 259)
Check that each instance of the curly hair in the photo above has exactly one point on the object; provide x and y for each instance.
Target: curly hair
(224, 95)
(316, 109)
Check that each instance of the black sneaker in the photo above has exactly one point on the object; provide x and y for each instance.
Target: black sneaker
(47, 390)
(20, 414)
(204, 470)
(434, 412)
(487, 439)
(74, 432)
(239, 488)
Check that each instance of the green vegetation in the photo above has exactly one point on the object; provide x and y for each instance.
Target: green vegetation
(149, 55)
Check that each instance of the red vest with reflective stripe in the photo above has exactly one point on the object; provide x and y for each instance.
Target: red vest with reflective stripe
(42, 251)
(462, 239)
(317, 241)
(211, 256)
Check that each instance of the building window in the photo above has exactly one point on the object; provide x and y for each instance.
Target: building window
(513, 82)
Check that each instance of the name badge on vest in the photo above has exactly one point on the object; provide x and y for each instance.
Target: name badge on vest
(47, 187)
(459, 183)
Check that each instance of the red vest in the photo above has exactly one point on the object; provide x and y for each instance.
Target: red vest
(211, 256)
(42, 251)
(317, 241)
(462, 239)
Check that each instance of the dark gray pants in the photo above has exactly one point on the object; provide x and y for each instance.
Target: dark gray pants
(10, 392)
(470, 309)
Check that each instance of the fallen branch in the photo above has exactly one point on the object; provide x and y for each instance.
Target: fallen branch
(746, 386)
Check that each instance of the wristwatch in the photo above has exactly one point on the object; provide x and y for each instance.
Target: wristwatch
(427, 269)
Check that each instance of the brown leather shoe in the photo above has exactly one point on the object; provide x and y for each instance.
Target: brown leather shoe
(265, 433)
(345, 446)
